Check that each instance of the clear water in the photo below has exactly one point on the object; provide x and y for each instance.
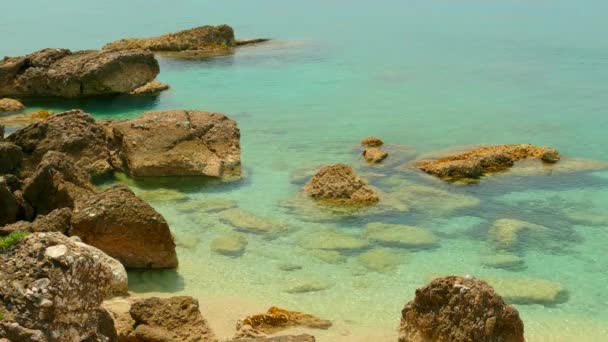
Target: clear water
(427, 74)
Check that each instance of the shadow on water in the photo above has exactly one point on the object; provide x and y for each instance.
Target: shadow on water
(103, 107)
(155, 281)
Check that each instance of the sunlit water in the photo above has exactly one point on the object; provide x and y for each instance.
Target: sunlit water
(427, 75)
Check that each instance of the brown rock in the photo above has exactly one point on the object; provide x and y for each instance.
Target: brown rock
(10, 157)
(372, 142)
(49, 283)
(178, 143)
(9, 206)
(458, 309)
(150, 89)
(1, 132)
(62, 73)
(10, 105)
(57, 220)
(56, 183)
(74, 133)
(277, 319)
(482, 160)
(341, 185)
(124, 227)
(374, 155)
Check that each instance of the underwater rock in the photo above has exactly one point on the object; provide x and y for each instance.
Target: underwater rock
(534, 167)
(288, 267)
(24, 119)
(503, 260)
(205, 205)
(397, 235)
(10, 105)
(381, 260)
(250, 223)
(333, 240)
(528, 290)
(50, 283)
(483, 160)
(229, 244)
(505, 233)
(62, 73)
(458, 309)
(10, 157)
(372, 141)
(74, 133)
(339, 184)
(374, 155)
(328, 256)
(126, 228)
(303, 174)
(283, 338)
(56, 183)
(150, 89)
(430, 199)
(177, 143)
(163, 195)
(277, 319)
(57, 220)
(305, 285)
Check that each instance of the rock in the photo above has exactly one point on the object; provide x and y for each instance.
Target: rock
(333, 240)
(381, 260)
(528, 290)
(163, 196)
(277, 319)
(339, 184)
(9, 206)
(503, 260)
(286, 338)
(126, 228)
(10, 157)
(56, 183)
(51, 284)
(432, 200)
(57, 220)
(506, 233)
(20, 120)
(62, 73)
(305, 285)
(247, 222)
(229, 244)
(1, 132)
(397, 235)
(10, 105)
(483, 160)
(372, 141)
(178, 143)
(203, 38)
(374, 155)
(328, 256)
(205, 206)
(74, 133)
(150, 89)
(459, 309)
(174, 319)
(288, 267)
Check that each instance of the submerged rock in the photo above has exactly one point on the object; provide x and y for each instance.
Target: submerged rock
(328, 256)
(73, 133)
(430, 199)
(305, 285)
(178, 143)
(52, 288)
(458, 309)
(333, 240)
(284, 338)
(339, 184)
(126, 228)
(62, 73)
(483, 160)
(229, 244)
(10, 105)
(163, 195)
(205, 205)
(503, 260)
(528, 290)
(277, 319)
(506, 233)
(20, 120)
(250, 223)
(400, 235)
(381, 260)
(150, 89)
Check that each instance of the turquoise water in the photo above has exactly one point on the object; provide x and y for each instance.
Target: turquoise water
(427, 75)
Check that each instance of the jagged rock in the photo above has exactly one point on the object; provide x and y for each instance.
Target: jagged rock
(458, 309)
(57, 220)
(150, 89)
(275, 320)
(10, 157)
(374, 155)
(400, 235)
(178, 143)
(62, 73)
(51, 284)
(483, 160)
(10, 105)
(9, 206)
(124, 227)
(55, 183)
(372, 141)
(340, 184)
(74, 133)
(229, 244)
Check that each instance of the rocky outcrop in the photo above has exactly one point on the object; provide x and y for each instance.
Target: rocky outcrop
(74, 133)
(50, 290)
(10, 157)
(150, 89)
(275, 320)
(62, 73)
(10, 105)
(9, 206)
(55, 183)
(124, 227)
(483, 160)
(57, 220)
(374, 155)
(459, 309)
(178, 143)
(339, 184)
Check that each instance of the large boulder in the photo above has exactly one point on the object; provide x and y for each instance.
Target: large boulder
(124, 227)
(56, 183)
(51, 290)
(178, 143)
(458, 309)
(10, 105)
(340, 184)
(487, 159)
(10, 157)
(62, 73)
(74, 133)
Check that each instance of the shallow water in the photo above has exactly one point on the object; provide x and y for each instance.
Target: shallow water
(426, 74)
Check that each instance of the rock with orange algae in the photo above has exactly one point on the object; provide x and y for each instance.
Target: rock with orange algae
(275, 320)
(339, 184)
(372, 141)
(374, 155)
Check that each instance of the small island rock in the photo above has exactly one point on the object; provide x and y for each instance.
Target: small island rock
(339, 184)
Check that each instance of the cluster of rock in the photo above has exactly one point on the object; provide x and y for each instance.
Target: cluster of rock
(372, 153)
